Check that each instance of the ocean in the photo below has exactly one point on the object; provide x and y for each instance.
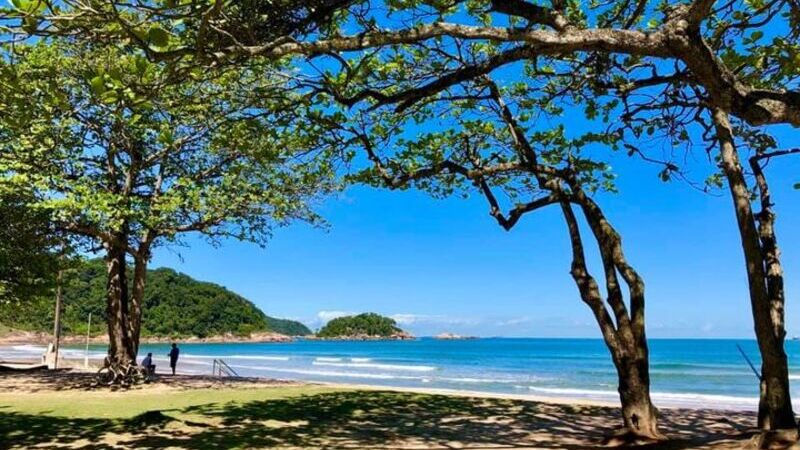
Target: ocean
(684, 372)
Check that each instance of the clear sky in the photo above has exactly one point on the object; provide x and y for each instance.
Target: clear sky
(445, 265)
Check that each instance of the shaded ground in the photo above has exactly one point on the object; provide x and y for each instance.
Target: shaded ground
(249, 415)
(69, 380)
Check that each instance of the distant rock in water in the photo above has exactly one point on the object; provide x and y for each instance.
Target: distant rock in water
(176, 307)
(452, 336)
(363, 327)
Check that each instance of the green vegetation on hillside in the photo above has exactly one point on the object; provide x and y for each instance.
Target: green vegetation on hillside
(174, 305)
(369, 324)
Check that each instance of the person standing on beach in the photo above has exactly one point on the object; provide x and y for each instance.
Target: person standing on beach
(173, 357)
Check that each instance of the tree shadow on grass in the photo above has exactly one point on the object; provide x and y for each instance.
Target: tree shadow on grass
(366, 420)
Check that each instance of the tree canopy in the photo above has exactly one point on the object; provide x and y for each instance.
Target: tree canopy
(28, 249)
(741, 56)
(121, 144)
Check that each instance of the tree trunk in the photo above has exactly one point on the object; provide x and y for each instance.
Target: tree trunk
(625, 338)
(625, 334)
(638, 412)
(57, 319)
(765, 280)
(121, 349)
(137, 298)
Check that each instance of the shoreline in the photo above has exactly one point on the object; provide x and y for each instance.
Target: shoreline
(608, 399)
(41, 338)
(73, 368)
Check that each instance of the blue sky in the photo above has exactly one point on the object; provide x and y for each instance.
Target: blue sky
(444, 265)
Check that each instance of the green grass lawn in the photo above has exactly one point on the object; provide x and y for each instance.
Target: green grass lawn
(319, 417)
(269, 417)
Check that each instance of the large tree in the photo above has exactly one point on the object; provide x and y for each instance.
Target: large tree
(131, 155)
(479, 142)
(762, 260)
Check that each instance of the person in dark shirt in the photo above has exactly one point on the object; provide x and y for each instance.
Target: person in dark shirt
(147, 364)
(173, 357)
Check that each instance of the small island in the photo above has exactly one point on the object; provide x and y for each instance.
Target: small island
(452, 337)
(363, 327)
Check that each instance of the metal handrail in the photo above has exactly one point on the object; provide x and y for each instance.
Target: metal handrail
(220, 367)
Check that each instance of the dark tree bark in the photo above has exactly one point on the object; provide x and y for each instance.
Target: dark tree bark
(121, 348)
(765, 280)
(137, 298)
(623, 334)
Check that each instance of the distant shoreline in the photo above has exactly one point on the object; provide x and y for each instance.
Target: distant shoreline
(20, 337)
(42, 338)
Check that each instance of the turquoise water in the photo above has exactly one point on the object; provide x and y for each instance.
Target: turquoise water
(685, 372)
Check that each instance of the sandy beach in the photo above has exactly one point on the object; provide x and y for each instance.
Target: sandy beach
(61, 409)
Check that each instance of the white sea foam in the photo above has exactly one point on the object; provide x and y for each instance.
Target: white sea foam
(327, 373)
(29, 348)
(74, 353)
(665, 398)
(361, 359)
(709, 399)
(328, 359)
(260, 358)
(251, 357)
(573, 392)
(478, 380)
(409, 368)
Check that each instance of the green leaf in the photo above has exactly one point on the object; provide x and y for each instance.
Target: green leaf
(158, 36)
(141, 65)
(109, 97)
(29, 6)
(98, 85)
(797, 185)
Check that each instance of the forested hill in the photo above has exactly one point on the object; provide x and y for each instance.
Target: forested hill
(366, 325)
(174, 305)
